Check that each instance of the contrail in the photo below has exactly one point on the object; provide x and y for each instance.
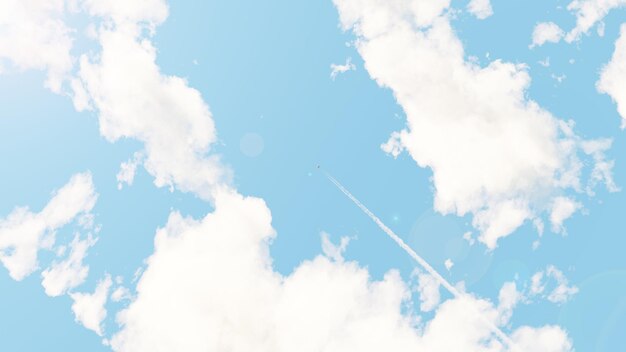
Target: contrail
(443, 282)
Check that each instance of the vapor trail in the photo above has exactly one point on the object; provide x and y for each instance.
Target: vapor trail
(443, 282)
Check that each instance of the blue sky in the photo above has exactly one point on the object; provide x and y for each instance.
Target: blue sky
(264, 70)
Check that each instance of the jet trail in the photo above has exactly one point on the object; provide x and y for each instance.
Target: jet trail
(443, 282)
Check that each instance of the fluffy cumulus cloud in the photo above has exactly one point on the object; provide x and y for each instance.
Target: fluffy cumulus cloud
(562, 209)
(89, 308)
(480, 8)
(33, 35)
(550, 338)
(508, 299)
(23, 233)
(187, 300)
(588, 13)
(428, 289)
(121, 12)
(163, 112)
(613, 75)
(70, 272)
(494, 153)
(546, 32)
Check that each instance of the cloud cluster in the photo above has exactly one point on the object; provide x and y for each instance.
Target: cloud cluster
(561, 291)
(133, 99)
(613, 74)
(34, 36)
(494, 153)
(23, 233)
(89, 308)
(188, 301)
(588, 13)
(69, 273)
(170, 118)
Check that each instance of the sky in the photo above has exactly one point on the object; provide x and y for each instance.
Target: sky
(423, 175)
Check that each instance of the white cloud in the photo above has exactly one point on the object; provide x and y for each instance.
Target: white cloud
(560, 290)
(163, 112)
(601, 29)
(539, 226)
(508, 298)
(500, 220)
(613, 73)
(89, 308)
(124, 13)
(546, 32)
(536, 244)
(423, 12)
(126, 175)
(562, 209)
(121, 293)
(34, 36)
(537, 285)
(545, 62)
(588, 13)
(468, 237)
(448, 264)
(480, 8)
(336, 69)
(333, 251)
(550, 338)
(394, 145)
(558, 78)
(23, 233)
(210, 286)
(428, 289)
(465, 121)
(69, 273)
(602, 170)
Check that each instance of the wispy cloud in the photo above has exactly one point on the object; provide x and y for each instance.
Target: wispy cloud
(336, 69)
